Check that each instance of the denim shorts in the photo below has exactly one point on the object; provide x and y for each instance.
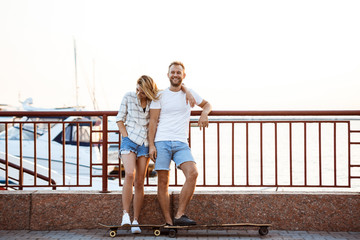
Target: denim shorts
(177, 151)
(128, 146)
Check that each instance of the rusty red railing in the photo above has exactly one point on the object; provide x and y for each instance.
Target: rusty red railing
(239, 149)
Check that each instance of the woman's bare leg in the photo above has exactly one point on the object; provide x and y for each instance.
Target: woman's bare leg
(129, 161)
(141, 170)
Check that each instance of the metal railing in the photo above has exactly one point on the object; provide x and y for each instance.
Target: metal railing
(239, 149)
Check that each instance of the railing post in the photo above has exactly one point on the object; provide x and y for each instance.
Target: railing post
(105, 155)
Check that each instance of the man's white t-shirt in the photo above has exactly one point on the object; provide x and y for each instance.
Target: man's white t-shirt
(174, 115)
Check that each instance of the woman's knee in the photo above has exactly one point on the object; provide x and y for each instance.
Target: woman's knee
(139, 183)
(130, 175)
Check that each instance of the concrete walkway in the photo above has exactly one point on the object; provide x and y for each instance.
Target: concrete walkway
(183, 234)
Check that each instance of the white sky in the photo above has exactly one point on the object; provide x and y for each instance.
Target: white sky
(239, 55)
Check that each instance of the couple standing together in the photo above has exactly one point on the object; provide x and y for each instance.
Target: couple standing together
(155, 124)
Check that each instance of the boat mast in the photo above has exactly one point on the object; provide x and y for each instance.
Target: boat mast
(76, 77)
(96, 107)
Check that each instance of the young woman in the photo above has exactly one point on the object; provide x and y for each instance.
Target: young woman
(132, 120)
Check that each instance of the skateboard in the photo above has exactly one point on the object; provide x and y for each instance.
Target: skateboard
(113, 228)
(172, 230)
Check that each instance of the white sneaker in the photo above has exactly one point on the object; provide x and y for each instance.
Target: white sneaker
(126, 220)
(135, 229)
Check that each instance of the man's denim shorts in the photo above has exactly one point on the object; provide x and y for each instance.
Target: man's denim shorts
(177, 151)
(128, 146)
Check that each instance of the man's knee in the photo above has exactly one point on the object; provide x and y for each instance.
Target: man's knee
(163, 178)
(192, 174)
(163, 186)
(190, 170)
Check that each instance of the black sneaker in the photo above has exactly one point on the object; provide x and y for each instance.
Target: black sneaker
(184, 221)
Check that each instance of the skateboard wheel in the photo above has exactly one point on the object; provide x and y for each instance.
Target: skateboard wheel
(157, 232)
(172, 233)
(263, 231)
(112, 233)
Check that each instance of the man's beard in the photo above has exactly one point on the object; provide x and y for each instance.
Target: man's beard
(177, 84)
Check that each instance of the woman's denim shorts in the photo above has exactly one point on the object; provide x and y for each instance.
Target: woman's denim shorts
(128, 146)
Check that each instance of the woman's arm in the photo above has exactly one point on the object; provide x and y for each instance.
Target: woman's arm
(122, 128)
(189, 97)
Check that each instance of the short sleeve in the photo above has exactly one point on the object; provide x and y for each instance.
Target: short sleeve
(197, 97)
(156, 104)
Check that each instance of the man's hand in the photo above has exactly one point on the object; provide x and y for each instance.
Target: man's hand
(203, 121)
(152, 153)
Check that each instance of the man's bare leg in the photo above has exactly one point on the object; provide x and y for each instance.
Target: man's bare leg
(163, 194)
(191, 173)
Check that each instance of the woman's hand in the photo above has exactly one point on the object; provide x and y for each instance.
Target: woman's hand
(190, 99)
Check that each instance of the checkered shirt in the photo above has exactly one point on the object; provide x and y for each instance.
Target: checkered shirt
(135, 119)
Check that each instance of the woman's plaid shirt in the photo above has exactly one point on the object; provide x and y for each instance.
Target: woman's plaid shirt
(135, 119)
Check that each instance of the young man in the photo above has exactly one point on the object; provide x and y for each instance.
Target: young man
(168, 140)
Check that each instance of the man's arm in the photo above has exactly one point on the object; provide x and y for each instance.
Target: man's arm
(153, 122)
(204, 120)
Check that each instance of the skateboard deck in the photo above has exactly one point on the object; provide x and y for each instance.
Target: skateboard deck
(113, 228)
(172, 230)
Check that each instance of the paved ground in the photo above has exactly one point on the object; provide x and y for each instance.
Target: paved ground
(191, 234)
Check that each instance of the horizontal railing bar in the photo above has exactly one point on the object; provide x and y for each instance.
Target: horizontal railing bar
(305, 186)
(57, 113)
(282, 113)
(285, 121)
(47, 121)
(98, 176)
(193, 113)
(49, 186)
(100, 164)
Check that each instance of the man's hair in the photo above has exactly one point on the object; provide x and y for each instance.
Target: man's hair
(177, 63)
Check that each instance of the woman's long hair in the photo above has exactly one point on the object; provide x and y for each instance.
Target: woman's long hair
(149, 87)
